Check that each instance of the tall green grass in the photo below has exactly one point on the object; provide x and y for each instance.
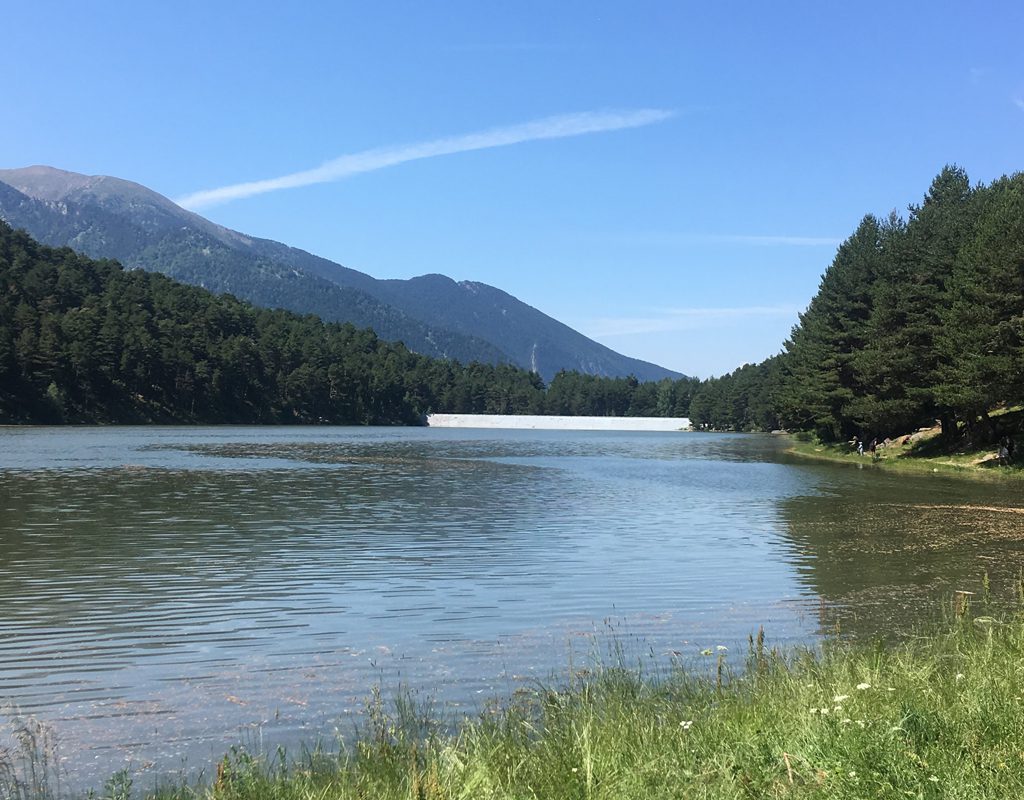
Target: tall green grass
(937, 716)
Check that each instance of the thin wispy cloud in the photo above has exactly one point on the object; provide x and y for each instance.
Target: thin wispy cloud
(558, 127)
(512, 47)
(797, 241)
(676, 239)
(1019, 102)
(684, 319)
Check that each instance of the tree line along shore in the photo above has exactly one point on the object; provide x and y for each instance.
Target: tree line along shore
(87, 341)
(918, 322)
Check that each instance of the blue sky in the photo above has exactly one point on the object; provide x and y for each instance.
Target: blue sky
(691, 237)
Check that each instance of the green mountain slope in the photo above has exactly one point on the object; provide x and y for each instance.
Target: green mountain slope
(111, 218)
(88, 341)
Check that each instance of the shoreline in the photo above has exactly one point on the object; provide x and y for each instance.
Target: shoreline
(933, 715)
(901, 461)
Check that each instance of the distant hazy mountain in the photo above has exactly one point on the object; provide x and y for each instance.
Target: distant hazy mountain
(108, 217)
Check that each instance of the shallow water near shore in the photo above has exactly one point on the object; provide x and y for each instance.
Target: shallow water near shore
(169, 592)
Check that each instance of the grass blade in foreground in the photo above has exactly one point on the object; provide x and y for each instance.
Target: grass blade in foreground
(938, 716)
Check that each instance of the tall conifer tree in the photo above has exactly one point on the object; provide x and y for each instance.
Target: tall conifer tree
(900, 361)
(820, 380)
(981, 342)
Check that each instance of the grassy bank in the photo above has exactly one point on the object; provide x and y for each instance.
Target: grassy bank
(938, 716)
(926, 455)
(926, 450)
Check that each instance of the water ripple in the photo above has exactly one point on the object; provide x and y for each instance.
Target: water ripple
(166, 589)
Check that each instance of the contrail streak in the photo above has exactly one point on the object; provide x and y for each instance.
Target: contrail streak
(558, 127)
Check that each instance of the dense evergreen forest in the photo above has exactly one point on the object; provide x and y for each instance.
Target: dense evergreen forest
(87, 341)
(916, 321)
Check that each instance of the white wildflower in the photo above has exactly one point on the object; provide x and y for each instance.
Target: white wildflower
(686, 724)
(840, 698)
(863, 686)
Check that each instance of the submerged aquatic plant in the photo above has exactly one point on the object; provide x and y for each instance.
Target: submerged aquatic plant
(29, 765)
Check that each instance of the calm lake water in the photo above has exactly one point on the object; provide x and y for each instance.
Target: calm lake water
(166, 593)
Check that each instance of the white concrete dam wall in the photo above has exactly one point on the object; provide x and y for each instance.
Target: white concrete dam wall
(528, 422)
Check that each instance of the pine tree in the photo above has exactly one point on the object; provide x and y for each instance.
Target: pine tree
(821, 381)
(900, 361)
(981, 343)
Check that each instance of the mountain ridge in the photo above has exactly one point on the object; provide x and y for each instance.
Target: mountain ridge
(108, 217)
(187, 253)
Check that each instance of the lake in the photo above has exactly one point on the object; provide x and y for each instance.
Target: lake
(167, 592)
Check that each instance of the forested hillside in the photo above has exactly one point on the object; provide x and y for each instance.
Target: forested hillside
(111, 218)
(916, 320)
(87, 341)
(106, 217)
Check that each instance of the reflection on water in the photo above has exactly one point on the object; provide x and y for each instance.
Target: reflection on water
(166, 590)
(883, 549)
